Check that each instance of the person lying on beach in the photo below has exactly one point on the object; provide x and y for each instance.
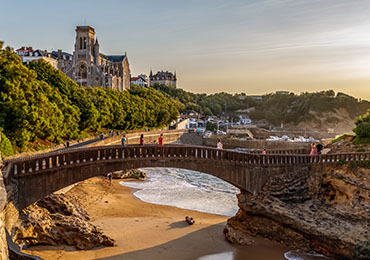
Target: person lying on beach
(190, 220)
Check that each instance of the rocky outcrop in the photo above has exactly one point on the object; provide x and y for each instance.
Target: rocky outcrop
(324, 208)
(55, 220)
(130, 174)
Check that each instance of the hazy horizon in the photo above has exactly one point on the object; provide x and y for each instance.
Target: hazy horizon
(255, 47)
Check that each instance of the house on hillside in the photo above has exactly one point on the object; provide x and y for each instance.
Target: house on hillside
(140, 81)
(28, 54)
(163, 78)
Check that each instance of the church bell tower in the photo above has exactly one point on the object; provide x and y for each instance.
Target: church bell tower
(83, 55)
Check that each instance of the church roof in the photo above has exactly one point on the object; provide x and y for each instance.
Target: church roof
(54, 54)
(163, 75)
(115, 58)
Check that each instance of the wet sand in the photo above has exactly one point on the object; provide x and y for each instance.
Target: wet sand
(148, 231)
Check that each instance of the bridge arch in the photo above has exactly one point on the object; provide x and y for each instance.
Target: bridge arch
(32, 178)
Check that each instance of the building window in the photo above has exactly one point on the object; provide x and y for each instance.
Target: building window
(80, 43)
(84, 42)
(82, 72)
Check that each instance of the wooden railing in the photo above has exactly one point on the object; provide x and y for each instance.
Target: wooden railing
(279, 151)
(105, 154)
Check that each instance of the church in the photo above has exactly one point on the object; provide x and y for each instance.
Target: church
(88, 67)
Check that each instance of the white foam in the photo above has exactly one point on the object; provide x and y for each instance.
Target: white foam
(220, 256)
(300, 255)
(186, 189)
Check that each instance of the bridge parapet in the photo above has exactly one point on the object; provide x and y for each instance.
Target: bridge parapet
(281, 151)
(74, 157)
(34, 177)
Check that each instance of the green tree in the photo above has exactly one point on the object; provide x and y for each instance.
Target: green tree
(6, 147)
(362, 128)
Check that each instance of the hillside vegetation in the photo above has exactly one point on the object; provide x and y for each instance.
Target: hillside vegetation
(38, 102)
(317, 110)
(309, 107)
(362, 129)
(213, 104)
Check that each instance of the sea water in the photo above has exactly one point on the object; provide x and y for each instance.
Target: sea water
(186, 189)
(196, 191)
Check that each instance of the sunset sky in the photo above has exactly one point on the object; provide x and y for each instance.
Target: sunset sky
(251, 46)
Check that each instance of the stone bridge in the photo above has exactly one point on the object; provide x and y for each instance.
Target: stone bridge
(32, 178)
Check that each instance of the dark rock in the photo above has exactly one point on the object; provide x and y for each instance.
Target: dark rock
(130, 174)
(327, 214)
(362, 251)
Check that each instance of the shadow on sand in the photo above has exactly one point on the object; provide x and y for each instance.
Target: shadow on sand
(178, 224)
(207, 244)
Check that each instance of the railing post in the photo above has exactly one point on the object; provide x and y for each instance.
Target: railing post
(76, 157)
(27, 167)
(125, 152)
(157, 151)
(183, 152)
(172, 152)
(47, 163)
(120, 153)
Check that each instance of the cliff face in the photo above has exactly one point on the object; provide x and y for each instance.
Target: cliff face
(58, 219)
(3, 243)
(324, 208)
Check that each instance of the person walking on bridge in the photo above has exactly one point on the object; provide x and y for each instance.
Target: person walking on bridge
(123, 141)
(160, 140)
(141, 139)
(319, 148)
(219, 144)
(313, 151)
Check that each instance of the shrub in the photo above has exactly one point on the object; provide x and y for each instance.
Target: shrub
(339, 138)
(6, 147)
(361, 164)
(362, 129)
(341, 162)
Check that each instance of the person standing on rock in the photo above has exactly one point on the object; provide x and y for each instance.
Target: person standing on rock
(160, 140)
(123, 141)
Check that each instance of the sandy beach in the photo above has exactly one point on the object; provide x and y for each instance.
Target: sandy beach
(148, 231)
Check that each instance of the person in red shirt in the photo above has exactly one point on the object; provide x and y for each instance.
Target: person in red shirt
(160, 140)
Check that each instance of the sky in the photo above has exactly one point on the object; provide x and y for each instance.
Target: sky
(250, 46)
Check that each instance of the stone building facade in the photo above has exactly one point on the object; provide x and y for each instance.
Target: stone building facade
(28, 54)
(88, 67)
(163, 78)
